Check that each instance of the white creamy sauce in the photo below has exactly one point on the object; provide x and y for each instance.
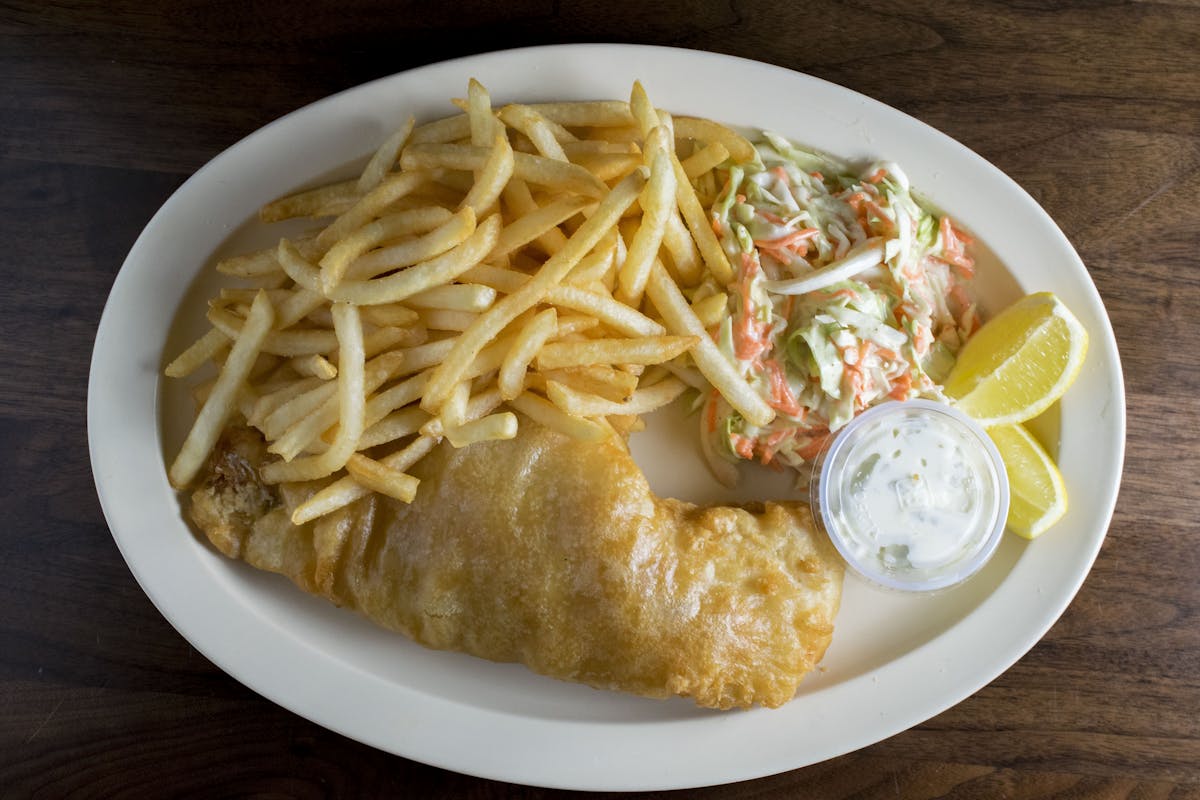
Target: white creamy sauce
(915, 493)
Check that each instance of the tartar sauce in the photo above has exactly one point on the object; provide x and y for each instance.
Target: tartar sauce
(913, 494)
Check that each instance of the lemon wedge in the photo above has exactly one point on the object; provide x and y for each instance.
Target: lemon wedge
(1037, 494)
(1019, 362)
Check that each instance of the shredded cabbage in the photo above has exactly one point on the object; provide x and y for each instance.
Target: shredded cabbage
(848, 292)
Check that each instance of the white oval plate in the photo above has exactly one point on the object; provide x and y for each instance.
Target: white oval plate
(895, 660)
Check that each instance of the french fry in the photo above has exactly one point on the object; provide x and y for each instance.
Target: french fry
(381, 478)
(370, 206)
(198, 354)
(679, 318)
(479, 114)
(657, 203)
(643, 401)
(592, 147)
(477, 260)
(492, 177)
(242, 298)
(455, 297)
(386, 402)
(447, 129)
(543, 412)
(573, 324)
(689, 375)
(644, 115)
(529, 341)
(314, 365)
(697, 222)
(390, 315)
(298, 305)
(304, 435)
(281, 343)
(598, 114)
(554, 175)
(492, 321)
(500, 279)
(489, 428)
(599, 379)
(349, 257)
(712, 310)
(448, 230)
(520, 203)
(645, 350)
(295, 408)
(220, 402)
(270, 401)
(405, 283)
(395, 425)
(603, 307)
(424, 356)
(345, 491)
(351, 407)
(535, 222)
(606, 167)
(377, 341)
(704, 160)
(705, 130)
(384, 157)
(539, 130)
(307, 203)
(684, 256)
(454, 412)
(250, 265)
(264, 263)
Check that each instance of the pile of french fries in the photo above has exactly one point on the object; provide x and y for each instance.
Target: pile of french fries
(554, 261)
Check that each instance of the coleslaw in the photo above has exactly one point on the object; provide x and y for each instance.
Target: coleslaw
(848, 292)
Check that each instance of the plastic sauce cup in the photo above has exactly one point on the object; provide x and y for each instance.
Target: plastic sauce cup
(913, 494)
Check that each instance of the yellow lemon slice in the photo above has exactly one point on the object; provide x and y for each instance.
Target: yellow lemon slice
(1019, 362)
(1037, 494)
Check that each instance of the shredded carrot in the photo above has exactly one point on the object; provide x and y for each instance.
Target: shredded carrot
(794, 242)
(953, 241)
(881, 216)
(814, 446)
(781, 173)
(742, 445)
(782, 397)
(901, 387)
(711, 415)
(788, 240)
(749, 265)
(749, 334)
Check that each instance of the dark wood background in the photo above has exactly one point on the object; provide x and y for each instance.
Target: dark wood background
(106, 107)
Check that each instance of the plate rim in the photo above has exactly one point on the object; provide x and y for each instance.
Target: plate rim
(598, 772)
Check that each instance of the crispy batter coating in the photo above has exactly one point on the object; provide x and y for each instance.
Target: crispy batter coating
(555, 554)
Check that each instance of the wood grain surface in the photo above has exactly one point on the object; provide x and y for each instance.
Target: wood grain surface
(107, 107)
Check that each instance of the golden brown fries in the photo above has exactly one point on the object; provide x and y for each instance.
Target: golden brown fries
(550, 261)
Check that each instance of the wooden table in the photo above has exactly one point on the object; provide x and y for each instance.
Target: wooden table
(107, 107)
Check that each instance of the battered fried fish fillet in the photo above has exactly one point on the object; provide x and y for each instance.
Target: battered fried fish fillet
(555, 554)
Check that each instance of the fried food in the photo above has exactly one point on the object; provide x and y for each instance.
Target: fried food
(552, 552)
(424, 399)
